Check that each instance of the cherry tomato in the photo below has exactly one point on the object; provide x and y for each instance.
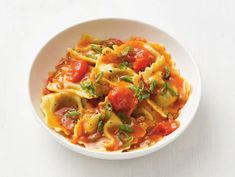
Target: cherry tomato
(78, 70)
(122, 99)
(140, 57)
(135, 53)
(141, 63)
(165, 128)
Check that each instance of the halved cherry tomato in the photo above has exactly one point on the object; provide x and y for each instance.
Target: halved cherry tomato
(141, 63)
(135, 53)
(78, 70)
(140, 57)
(122, 99)
(165, 128)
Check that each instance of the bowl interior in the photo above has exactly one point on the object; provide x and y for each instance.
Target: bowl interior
(123, 29)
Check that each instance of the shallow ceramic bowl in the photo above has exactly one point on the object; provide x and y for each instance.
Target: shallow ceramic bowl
(116, 28)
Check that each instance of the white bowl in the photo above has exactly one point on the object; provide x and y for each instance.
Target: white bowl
(123, 29)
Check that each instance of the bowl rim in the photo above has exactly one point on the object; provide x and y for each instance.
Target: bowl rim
(112, 155)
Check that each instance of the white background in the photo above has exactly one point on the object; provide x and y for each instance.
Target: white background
(206, 148)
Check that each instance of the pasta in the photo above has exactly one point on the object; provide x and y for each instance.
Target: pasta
(110, 95)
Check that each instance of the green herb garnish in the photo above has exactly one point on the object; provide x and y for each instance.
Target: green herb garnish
(71, 113)
(167, 86)
(144, 95)
(128, 141)
(152, 86)
(100, 126)
(96, 48)
(140, 92)
(124, 65)
(91, 56)
(88, 86)
(126, 128)
(126, 78)
(126, 50)
(99, 76)
(167, 73)
(125, 138)
(123, 117)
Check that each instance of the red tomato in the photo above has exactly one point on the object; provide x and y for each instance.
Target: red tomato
(78, 70)
(140, 57)
(141, 63)
(122, 99)
(135, 53)
(165, 128)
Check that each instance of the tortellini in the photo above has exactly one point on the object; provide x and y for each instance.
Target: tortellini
(52, 102)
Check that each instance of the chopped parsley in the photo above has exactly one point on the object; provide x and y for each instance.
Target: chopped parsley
(71, 113)
(129, 140)
(96, 48)
(126, 50)
(91, 56)
(126, 78)
(123, 65)
(140, 92)
(100, 126)
(126, 128)
(88, 86)
(125, 138)
(166, 87)
(123, 117)
(152, 86)
(167, 73)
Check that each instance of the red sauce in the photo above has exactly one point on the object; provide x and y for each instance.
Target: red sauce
(164, 128)
(67, 122)
(77, 71)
